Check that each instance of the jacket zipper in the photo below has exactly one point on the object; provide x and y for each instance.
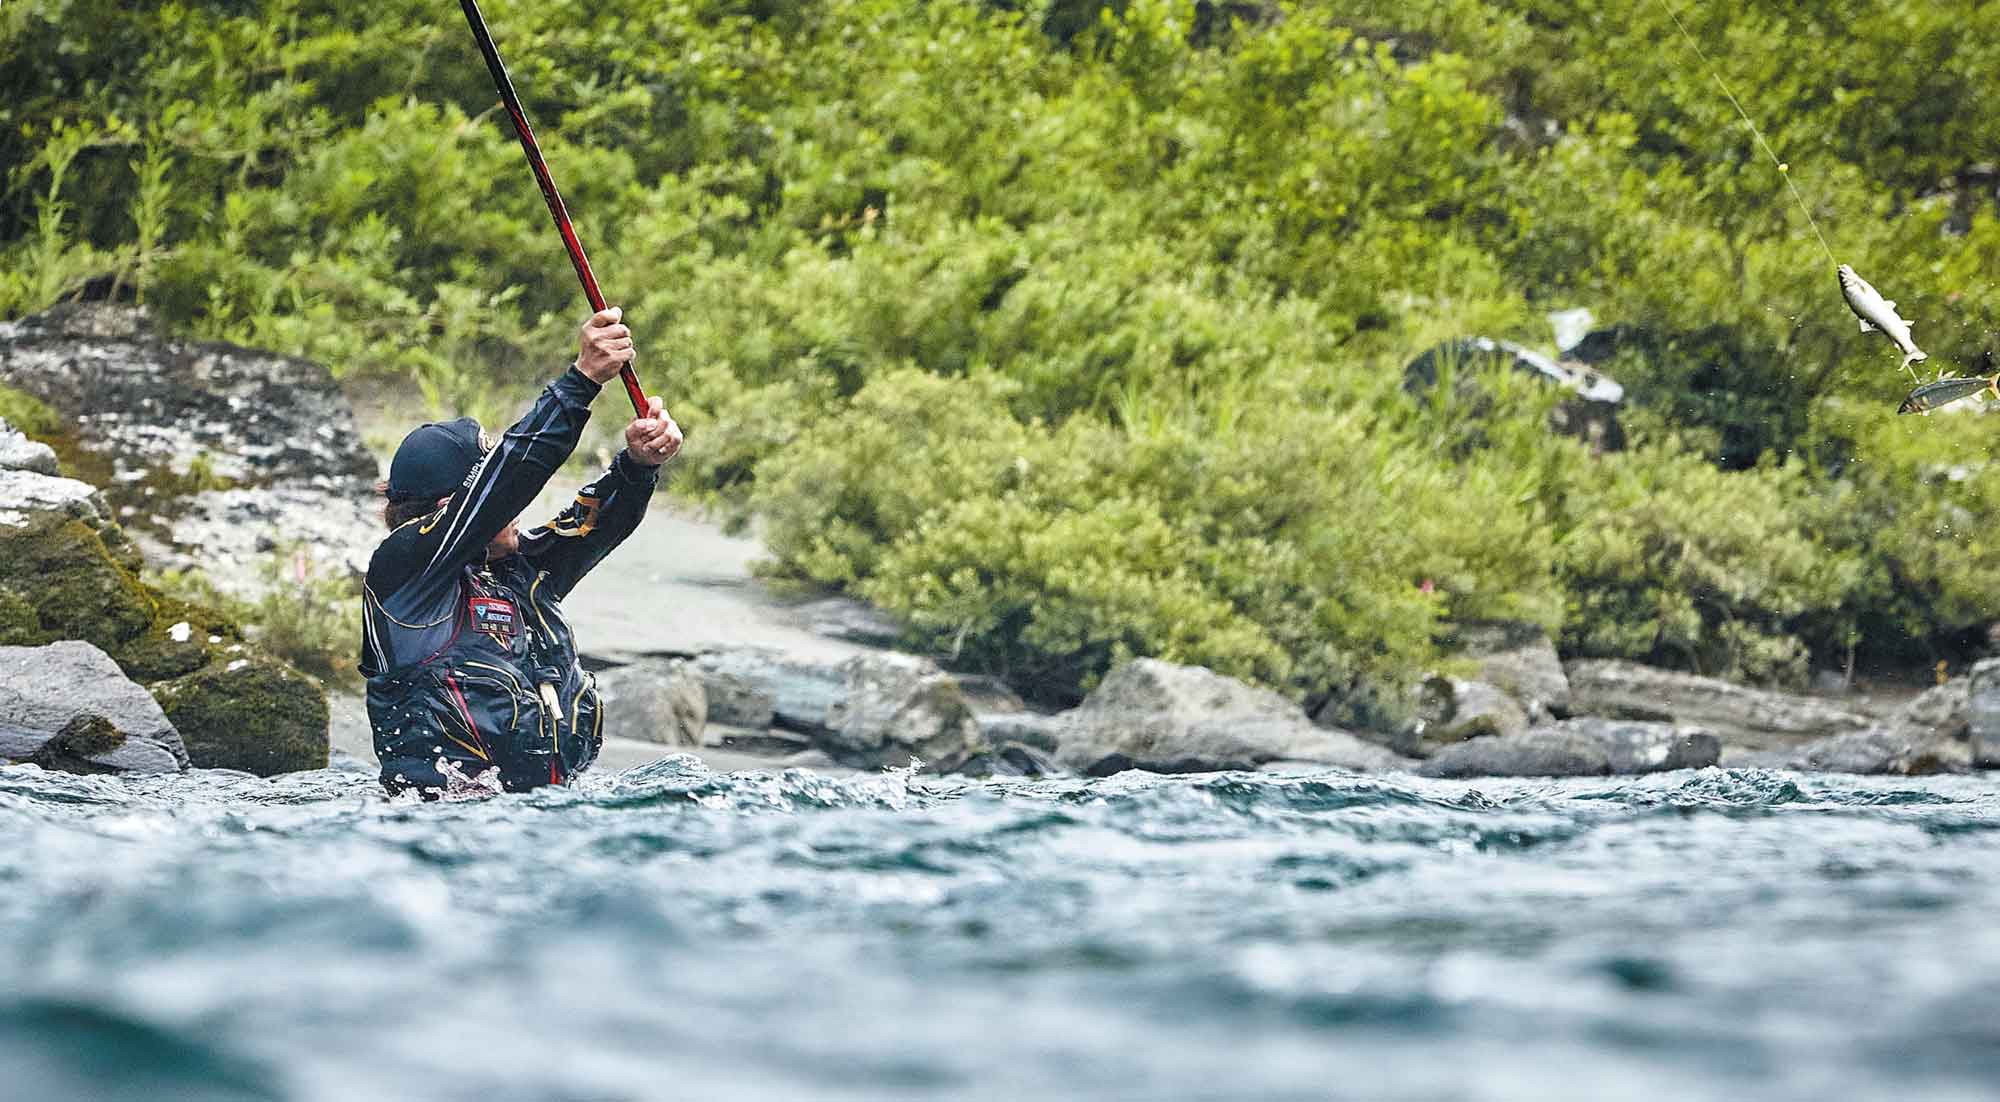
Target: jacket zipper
(465, 711)
(546, 690)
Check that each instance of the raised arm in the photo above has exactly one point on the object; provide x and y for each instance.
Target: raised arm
(608, 509)
(430, 552)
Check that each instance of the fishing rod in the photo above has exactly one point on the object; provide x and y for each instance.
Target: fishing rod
(541, 168)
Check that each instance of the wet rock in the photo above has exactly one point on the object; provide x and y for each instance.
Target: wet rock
(1012, 760)
(1542, 752)
(985, 693)
(1733, 758)
(231, 535)
(175, 423)
(67, 572)
(1039, 732)
(1453, 711)
(18, 453)
(742, 682)
(47, 688)
(1982, 713)
(1149, 714)
(88, 743)
(1752, 719)
(897, 707)
(146, 400)
(1519, 658)
(249, 712)
(1633, 746)
(734, 700)
(655, 700)
(769, 742)
(867, 711)
(1884, 751)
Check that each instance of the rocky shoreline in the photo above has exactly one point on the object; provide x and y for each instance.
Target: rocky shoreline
(759, 682)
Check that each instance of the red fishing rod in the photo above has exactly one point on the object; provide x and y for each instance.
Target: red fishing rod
(556, 209)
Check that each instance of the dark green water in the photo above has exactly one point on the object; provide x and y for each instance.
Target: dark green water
(669, 933)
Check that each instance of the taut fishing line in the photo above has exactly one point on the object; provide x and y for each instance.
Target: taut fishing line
(1783, 169)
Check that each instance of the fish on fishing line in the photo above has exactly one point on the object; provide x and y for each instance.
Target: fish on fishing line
(1876, 313)
(1948, 388)
(1941, 392)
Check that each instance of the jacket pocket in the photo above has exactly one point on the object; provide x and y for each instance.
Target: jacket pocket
(586, 726)
(502, 720)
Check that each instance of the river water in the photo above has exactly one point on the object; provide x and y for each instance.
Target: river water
(667, 932)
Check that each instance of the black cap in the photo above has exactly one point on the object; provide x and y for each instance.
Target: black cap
(434, 459)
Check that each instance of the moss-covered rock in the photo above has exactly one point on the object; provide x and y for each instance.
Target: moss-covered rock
(19, 625)
(248, 711)
(61, 568)
(182, 638)
(67, 571)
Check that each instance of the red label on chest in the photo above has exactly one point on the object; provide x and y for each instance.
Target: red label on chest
(495, 616)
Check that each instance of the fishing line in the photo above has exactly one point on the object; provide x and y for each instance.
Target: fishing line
(1758, 134)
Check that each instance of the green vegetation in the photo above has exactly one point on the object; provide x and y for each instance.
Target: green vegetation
(307, 614)
(28, 414)
(1070, 330)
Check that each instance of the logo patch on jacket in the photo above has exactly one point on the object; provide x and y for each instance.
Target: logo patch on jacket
(496, 617)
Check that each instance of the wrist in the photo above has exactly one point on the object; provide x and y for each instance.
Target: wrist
(637, 465)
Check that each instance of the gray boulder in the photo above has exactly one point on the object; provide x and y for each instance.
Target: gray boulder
(1884, 750)
(1633, 747)
(1518, 658)
(88, 743)
(1031, 729)
(1944, 712)
(1452, 711)
(1743, 717)
(232, 534)
(74, 694)
(654, 700)
(259, 417)
(1149, 714)
(1542, 752)
(19, 453)
(191, 421)
(867, 711)
(759, 686)
(1582, 747)
(897, 707)
(1982, 713)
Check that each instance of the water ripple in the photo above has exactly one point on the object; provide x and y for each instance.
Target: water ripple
(771, 934)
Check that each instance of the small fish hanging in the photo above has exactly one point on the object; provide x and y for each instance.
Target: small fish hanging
(1947, 391)
(1877, 312)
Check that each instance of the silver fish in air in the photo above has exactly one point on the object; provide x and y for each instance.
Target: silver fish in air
(1877, 312)
(1942, 392)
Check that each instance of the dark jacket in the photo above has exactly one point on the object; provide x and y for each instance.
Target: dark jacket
(471, 662)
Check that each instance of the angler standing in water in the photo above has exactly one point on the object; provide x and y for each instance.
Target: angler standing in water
(471, 668)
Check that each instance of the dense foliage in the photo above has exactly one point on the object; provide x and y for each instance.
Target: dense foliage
(1070, 330)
